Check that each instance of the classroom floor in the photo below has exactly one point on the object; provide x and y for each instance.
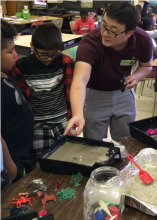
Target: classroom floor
(145, 102)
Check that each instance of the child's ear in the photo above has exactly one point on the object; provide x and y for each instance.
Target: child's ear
(151, 27)
(32, 47)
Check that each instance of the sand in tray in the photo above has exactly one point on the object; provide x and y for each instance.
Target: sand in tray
(79, 153)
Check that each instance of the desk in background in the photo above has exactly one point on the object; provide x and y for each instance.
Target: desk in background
(67, 15)
(22, 43)
(18, 23)
(72, 209)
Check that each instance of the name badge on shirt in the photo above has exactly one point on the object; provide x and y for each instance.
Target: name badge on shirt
(127, 62)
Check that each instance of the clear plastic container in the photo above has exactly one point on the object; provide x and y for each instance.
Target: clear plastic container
(104, 195)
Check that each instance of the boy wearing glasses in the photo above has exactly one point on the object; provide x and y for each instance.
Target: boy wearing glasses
(104, 57)
(48, 74)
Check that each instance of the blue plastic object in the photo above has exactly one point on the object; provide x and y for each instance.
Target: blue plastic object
(100, 215)
(72, 52)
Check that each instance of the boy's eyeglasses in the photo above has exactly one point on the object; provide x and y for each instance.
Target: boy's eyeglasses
(54, 55)
(110, 33)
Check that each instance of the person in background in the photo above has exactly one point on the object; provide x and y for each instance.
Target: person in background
(152, 33)
(152, 16)
(100, 13)
(6, 161)
(149, 25)
(104, 56)
(16, 116)
(8, 169)
(144, 12)
(144, 9)
(139, 8)
(84, 24)
(48, 74)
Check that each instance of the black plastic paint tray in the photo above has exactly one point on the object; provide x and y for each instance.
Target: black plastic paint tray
(138, 130)
(66, 167)
(26, 216)
(29, 216)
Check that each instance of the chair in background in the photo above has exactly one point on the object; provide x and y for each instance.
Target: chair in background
(151, 77)
(155, 84)
(58, 22)
(154, 105)
(72, 25)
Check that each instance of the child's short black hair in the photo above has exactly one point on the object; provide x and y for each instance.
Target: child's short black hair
(139, 7)
(47, 37)
(147, 22)
(100, 9)
(8, 32)
(150, 15)
(83, 12)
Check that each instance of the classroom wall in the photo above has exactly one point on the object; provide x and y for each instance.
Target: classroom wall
(20, 5)
(11, 7)
(3, 3)
(76, 6)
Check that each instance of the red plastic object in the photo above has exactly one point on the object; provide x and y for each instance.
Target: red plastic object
(22, 200)
(58, 185)
(113, 209)
(43, 212)
(116, 218)
(41, 195)
(151, 131)
(145, 177)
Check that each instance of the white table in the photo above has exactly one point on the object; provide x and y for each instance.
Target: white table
(22, 43)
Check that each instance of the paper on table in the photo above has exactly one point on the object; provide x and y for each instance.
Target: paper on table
(49, 1)
(31, 20)
(7, 18)
(19, 19)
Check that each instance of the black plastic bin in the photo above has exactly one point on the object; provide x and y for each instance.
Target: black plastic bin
(26, 216)
(63, 167)
(30, 216)
(138, 131)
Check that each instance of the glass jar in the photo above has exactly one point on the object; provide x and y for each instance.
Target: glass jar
(104, 195)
